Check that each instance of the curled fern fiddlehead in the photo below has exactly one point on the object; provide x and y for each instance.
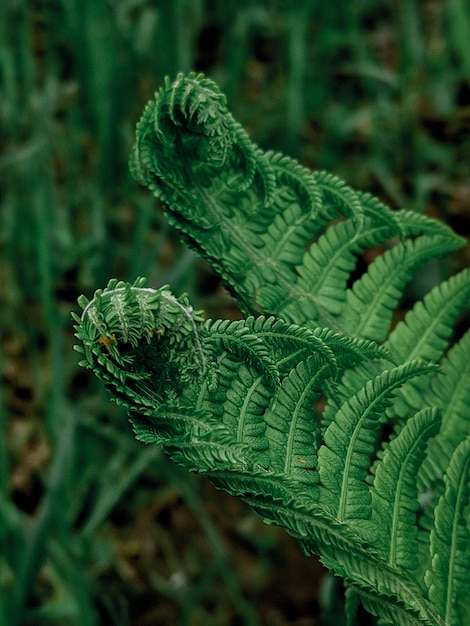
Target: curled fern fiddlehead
(237, 401)
(254, 215)
(140, 338)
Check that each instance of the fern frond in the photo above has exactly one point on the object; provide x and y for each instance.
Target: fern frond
(426, 329)
(395, 493)
(252, 214)
(289, 344)
(328, 264)
(373, 298)
(394, 613)
(414, 224)
(350, 350)
(291, 408)
(425, 333)
(215, 449)
(451, 392)
(288, 232)
(240, 400)
(349, 442)
(165, 423)
(381, 215)
(141, 342)
(292, 426)
(236, 337)
(447, 580)
(340, 195)
(290, 175)
(383, 591)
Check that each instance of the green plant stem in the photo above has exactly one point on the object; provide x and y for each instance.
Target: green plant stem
(221, 562)
(51, 508)
(110, 495)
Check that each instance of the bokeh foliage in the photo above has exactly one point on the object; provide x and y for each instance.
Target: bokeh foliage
(95, 528)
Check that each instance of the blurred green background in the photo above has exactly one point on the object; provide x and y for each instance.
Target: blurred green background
(94, 527)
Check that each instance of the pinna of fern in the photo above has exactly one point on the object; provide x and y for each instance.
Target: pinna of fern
(237, 401)
(244, 418)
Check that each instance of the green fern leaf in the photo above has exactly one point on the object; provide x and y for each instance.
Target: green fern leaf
(349, 442)
(394, 493)
(340, 195)
(192, 438)
(263, 489)
(384, 592)
(239, 401)
(425, 333)
(447, 580)
(166, 423)
(243, 402)
(394, 613)
(450, 392)
(236, 338)
(289, 343)
(143, 343)
(349, 351)
(292, 426)
(426, 329)
(414, 224)
(292, 176)
(381, 215)
(326, 268)
(215, 449)
(371, 301)
(288, 232)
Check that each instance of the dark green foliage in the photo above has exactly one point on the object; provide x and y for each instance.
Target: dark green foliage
(241, 402)
(377, 94)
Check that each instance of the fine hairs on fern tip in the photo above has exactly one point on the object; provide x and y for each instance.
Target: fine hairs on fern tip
(330, 418)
